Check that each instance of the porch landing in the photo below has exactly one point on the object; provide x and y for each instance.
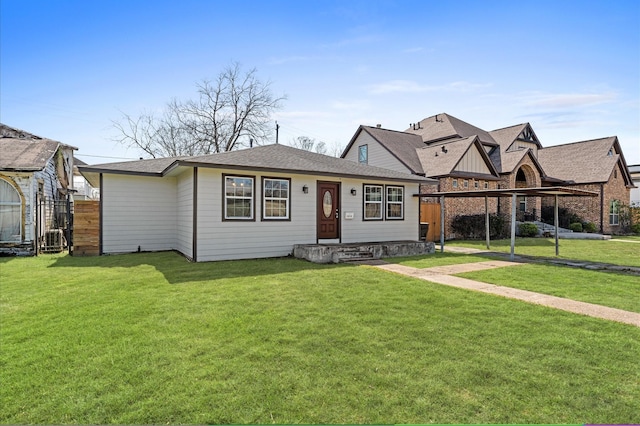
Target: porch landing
(337, 253)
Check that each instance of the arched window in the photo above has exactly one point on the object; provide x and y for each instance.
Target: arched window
(10, 213)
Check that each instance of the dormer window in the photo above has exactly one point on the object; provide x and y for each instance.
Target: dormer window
(610, 153)
(363, 154)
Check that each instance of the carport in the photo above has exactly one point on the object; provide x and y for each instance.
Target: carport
(513, 193)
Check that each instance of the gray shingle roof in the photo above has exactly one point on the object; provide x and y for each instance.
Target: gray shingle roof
(26, 155)
(580, 162)
(436, 162)
(445, 126)
(279, 158)
(402, 145)
(23, 151)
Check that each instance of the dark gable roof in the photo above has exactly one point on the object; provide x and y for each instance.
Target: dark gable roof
(444, 126)
(399, 144)
(23, 151)
(402, 145)
(440, 163)
(275, 158)
(583, 162)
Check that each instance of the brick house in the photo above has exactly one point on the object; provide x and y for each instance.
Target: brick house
(463, 157)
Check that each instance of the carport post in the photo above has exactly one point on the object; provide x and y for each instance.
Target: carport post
(555, 223)
(442, 224)
(486, 219)
(513, 226)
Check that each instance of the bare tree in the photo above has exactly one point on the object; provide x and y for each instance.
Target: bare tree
(309, 144)
(227, 113)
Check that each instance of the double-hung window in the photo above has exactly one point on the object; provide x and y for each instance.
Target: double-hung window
(395, 202)
(275, 199)
(373, 202)
(238, 197)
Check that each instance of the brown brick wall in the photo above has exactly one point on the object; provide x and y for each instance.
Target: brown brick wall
(590, 209)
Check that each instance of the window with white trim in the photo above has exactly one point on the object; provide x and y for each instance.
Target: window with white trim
(10, 213)
(395, 202)
(275, 198)
(363, 154)
(614, 212)
(238, 197)
(454, 183)
(372, 202)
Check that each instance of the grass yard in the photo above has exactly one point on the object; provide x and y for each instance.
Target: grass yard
(151, 338)
(625, 252)
(602, 288)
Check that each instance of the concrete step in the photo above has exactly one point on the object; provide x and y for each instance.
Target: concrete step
(351, 256)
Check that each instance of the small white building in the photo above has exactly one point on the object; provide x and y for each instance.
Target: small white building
(251, 203)
(634, 170)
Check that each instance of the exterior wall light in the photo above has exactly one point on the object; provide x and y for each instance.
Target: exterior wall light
(305, 189)
(353, 192)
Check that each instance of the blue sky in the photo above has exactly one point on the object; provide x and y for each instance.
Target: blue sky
(570, 68)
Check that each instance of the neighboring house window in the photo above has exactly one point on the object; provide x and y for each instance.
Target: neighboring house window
(373, 202)
(522, 201)
(395, 202)
(466, 183)
(238, 198)
(476, 184)
(486, 185)
(614, 212)
(10, 213)
(363, 154)
(275, 198)
(455, 183)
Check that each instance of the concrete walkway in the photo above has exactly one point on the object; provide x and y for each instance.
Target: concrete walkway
(444, 275)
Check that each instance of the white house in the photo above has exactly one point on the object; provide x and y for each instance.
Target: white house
(251, 203)
(35, 178)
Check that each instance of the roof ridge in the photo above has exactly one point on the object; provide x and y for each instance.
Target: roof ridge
(577, 142)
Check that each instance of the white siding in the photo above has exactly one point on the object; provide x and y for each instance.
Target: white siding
(138, 211)
(218, 239)
(357, 230)
(473, 162)
(184, 225)
(378, 155)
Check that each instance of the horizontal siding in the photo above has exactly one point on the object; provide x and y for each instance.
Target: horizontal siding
(137, 212)
(358, 230)
(379, 156)
(218, 239)
(184, 225)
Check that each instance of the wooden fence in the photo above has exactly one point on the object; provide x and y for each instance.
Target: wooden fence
(430, 214)
(86, 228)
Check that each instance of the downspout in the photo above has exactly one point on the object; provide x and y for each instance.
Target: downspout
(194, 235)
(602, 208)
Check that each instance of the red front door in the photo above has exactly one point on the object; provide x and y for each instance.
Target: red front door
(328, 208)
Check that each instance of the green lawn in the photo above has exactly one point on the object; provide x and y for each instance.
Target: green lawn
(151, 338)
(603, 288)
(624, 252)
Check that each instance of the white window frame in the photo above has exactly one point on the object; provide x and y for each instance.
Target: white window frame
(366, 201)
(390, 202)
(454, 183)
(614, 212)
(363, 149)
(228, 197)
(280, 198)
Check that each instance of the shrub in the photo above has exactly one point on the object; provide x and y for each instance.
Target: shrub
(576, 227)
(528, 230)
(473, 226)
(589, 227)
(635, 228)
(565, 216)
